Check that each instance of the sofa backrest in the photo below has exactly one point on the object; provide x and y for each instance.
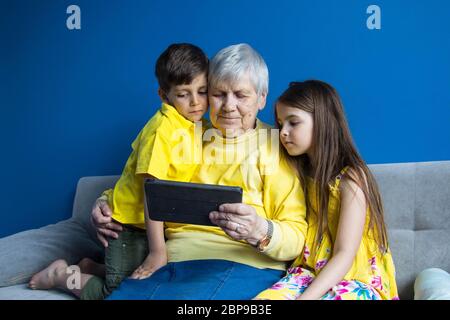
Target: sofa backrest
(416, 199)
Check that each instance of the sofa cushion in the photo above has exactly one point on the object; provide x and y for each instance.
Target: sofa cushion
(22, 292)
(432, 207)
(431, 249)
(397, 188)
(402, 248)
(417, 212)
(28, 252)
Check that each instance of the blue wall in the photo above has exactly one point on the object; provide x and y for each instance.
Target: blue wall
(72, 101)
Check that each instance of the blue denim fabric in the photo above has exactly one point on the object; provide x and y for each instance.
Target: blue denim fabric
(199, 280)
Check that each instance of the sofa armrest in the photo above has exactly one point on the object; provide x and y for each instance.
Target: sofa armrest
(88, 190)
(25, 253)
(432, 284)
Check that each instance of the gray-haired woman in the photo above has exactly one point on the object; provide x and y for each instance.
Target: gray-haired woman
(254, 240)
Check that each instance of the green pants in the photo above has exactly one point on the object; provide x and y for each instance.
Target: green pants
(122, 256)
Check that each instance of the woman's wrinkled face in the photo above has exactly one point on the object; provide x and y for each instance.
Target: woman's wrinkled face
(234, 106)
(296, 129)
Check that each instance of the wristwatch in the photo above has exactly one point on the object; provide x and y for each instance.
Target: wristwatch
(262, 244)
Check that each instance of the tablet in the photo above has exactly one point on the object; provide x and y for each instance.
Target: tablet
(186, 202)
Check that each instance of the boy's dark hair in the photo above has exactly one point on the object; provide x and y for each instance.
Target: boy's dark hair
(179, 64)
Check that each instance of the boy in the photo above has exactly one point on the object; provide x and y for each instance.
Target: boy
(181, 71)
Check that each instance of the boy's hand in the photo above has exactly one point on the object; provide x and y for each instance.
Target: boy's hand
(150, 265)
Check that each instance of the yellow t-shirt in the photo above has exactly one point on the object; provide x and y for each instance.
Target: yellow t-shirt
(168, 148)
(269, 185)
(369, 266)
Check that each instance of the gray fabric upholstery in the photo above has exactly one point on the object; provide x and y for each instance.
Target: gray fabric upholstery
(72, 240)
(25, 253)
(21, 292)
(402, 247)
(431, 249)
(416, 199)
(432, 207)
(396, 183)
(88, 190)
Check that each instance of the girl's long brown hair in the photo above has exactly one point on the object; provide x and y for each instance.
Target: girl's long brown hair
(333, 149)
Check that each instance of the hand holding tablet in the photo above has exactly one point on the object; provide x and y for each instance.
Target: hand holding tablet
(185, 202)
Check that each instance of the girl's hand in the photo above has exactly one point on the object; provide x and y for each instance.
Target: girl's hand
(240, 221)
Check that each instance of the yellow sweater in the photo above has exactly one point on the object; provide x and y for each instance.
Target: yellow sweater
(269, 185)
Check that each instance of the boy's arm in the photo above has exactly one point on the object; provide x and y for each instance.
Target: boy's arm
(155, 229)
(157, 256)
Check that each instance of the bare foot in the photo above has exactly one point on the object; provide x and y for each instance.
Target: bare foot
(89, 266)
(49, 277)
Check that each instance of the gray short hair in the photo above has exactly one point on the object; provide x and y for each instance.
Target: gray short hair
(232, 62)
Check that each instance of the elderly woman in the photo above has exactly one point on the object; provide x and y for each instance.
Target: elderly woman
(254, 240)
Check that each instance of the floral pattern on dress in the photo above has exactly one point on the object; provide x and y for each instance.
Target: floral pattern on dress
(377, 283)
(320, 264)
(298, 279)
(371, 276)
(306, 253)
(373, 263)
(351, 290)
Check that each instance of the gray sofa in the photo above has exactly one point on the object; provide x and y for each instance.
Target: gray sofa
(416, 198)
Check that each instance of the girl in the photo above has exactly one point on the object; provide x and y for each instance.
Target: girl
(346, 253)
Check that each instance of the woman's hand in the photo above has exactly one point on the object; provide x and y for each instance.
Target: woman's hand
(101, 219)
(240, 221)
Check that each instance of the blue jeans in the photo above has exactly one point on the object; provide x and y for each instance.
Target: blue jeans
(199, 280)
